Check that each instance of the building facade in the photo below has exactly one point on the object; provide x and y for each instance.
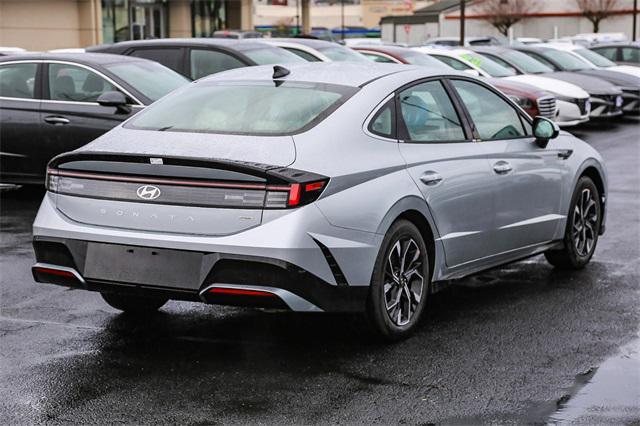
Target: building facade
(53, 24)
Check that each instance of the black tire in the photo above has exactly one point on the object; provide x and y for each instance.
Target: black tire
(401, 288)
(582, 230)
(133, 304)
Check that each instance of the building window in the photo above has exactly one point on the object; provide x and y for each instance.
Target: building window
(207, 16)
(115, 21)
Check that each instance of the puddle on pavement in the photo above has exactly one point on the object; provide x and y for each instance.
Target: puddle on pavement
(609, 394)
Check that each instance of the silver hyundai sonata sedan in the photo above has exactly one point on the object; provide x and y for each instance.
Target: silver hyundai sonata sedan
(322, 187)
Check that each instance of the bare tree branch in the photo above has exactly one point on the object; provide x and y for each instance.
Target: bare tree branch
(597, 10)
(503, 14)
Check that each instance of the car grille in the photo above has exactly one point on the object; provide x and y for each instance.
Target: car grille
(547, 106)
(608, 100)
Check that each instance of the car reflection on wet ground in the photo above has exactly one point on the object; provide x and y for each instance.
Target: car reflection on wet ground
(505, 346)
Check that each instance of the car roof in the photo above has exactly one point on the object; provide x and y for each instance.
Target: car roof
(342, 73)
(617, 44)
(226, 42)
(393, 50)
(310, 42)
(81, 58)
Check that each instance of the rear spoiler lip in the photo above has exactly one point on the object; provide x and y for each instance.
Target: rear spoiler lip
(273, 174)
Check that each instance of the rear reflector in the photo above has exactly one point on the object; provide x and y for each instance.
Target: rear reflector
(242, 297)
(241, 292)
(56, 275)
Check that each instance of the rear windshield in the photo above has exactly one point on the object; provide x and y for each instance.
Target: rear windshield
(244, 108)
(149, 78)
(268, 55)
(422, 59)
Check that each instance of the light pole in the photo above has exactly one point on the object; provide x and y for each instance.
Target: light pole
(635, 19)
(462, 19)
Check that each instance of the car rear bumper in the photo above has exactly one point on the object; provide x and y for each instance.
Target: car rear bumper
(306, 263)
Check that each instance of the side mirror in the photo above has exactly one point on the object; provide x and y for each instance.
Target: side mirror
(544, 130)
(473, 72)
(114, 99)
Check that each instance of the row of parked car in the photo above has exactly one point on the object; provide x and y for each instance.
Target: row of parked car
(56, 102)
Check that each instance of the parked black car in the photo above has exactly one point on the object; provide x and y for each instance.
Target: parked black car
(199, 57)
(562, 62)
(620, 53)
(53, 103)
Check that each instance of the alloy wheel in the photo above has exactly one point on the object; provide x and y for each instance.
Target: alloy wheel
(585, 223)
(403, 280)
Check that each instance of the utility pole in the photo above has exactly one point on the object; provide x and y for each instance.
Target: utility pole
(342, 19)
(462, 19)
(635, 20)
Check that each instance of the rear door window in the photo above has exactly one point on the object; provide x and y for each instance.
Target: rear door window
(429, 115)
(631, 54)
(18, 80)
(169, 56)
(207, 62)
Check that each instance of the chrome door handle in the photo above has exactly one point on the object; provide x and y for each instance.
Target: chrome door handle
(431, 178)
(502, 167)
(57, 121)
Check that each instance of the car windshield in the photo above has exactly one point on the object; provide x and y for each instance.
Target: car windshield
(525, 62)
(566, 61)
(595, 58)
(244, 108)
(343, 54)
(493, 68)
(268, 55)
(149, 78)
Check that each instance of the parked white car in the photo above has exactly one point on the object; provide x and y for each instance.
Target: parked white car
(594, 59)
(572, 101)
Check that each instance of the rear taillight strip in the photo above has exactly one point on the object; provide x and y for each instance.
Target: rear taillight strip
(160, 181)
(195, 193)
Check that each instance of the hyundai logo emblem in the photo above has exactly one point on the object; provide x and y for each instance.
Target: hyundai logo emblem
(148, 192)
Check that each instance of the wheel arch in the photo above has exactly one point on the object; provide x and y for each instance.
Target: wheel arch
(596, 173)
(416, 211)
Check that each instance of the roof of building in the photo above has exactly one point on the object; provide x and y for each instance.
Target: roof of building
(439, 7)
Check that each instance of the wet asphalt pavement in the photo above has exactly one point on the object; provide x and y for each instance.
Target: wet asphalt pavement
(508, 346)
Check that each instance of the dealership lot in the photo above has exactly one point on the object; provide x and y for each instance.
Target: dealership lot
(502, 346)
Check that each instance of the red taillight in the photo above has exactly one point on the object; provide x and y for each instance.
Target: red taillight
(241, 292)
(314, 186)
(56, 272)
(294, 194)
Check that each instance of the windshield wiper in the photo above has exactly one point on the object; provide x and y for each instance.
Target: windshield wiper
(162, 129)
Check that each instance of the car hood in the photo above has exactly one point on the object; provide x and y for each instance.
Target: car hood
(615, 77)
(593, 85)
(626, 69)
(550, 84)
(272, 150)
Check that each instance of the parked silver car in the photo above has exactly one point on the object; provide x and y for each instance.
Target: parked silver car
(323, 187)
